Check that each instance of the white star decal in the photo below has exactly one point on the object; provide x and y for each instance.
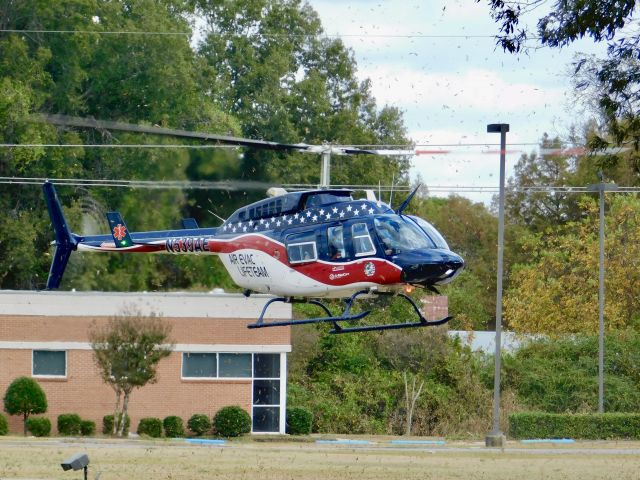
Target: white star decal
(224, 228)
(244, 229)
(321, 212)
(315, 218)
(278, 223)
(239, 224)
(296, 216)
(261, 221)
(370, 211)
(328, 215)
(266, 225)
(349, 208)
(355, 212)
(284, 218)
(301, 219)
(251, 223)
(234, 230)
(289, 221)
(308, 213)
(363, 206)
(341, 213)
(334, 210)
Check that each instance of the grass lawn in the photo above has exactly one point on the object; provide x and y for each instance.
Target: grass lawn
(247, 459)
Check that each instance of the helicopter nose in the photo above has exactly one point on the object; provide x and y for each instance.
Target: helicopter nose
(436, 268)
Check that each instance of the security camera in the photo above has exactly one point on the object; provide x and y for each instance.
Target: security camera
(77, 462)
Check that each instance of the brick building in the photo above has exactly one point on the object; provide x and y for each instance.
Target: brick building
(216, 362)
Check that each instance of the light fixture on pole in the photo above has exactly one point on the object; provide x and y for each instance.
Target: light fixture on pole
(601, 187)
(495, 438)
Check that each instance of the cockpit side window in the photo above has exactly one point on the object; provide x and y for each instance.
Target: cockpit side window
(362, 244)
(301, 247)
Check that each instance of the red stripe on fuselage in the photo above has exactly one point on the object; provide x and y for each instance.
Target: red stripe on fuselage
(367, 269)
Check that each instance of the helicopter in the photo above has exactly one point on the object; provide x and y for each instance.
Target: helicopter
(298, 246)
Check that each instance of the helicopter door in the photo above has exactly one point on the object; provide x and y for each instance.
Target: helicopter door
(335, 242)
(361, 239)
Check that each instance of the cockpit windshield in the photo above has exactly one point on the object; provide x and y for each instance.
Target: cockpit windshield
(399, 235)
(431, 231)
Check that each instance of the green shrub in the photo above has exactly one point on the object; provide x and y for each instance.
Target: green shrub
(199, 424)
(107, 424)
(39, 426)
(173, 427)
(588, 426)
(87, 427)
(299, 421)
(232, 422)
(69, 424)
(25, 397)
(4, 425)
(150, 426)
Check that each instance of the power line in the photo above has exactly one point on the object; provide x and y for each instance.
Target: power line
(256, 185)
(265, 35)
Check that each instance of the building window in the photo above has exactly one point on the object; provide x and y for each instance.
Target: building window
(266, 392)
(199, 365)
(49, 363)
(235, 365)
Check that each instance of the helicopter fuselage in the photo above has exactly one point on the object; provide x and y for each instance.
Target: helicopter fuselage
(308, 244)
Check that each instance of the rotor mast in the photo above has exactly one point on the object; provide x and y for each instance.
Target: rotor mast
(325, 171)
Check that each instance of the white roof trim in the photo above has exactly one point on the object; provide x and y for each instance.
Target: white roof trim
(180, 347)
(166, 304)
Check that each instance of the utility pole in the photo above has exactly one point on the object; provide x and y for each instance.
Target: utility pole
(495, 438)
(601, 187)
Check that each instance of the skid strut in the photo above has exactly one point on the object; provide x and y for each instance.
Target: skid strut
(347, 316)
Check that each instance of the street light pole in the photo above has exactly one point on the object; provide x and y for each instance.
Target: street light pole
(495, 438)
(601, 188)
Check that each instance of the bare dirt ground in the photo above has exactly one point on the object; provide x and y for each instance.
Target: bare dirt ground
(249, 459)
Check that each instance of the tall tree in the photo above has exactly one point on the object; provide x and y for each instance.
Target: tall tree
(127, 351)
(614, 79)
(557, 290)
(285, 81)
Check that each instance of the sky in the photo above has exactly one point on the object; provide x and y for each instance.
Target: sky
(449, 88)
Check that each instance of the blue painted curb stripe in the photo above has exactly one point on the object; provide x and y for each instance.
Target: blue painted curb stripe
(204, 441)
(549, 440)
(344, 442)
(418, 442)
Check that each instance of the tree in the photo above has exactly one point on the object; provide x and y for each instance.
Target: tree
(539, 209)
(25, 397)
(556, 292)
(613, 80)
(127, 351)
(414, 354)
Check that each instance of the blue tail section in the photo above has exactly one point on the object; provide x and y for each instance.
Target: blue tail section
(66, 242)
(119, 230)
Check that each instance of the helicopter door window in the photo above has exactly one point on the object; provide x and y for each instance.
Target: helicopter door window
(301, 247)
(362, 244)
(335, 237)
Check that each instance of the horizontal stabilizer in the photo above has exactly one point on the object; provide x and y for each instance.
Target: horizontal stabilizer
(119, 230)
(189, 224)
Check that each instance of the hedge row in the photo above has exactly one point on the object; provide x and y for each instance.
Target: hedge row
(72, 424)
(588, 426)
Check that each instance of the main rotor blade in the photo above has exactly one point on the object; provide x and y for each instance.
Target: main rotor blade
(81, 122)
(70, 121)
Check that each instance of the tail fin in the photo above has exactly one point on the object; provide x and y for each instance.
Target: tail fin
(119, 230)
(66, 241)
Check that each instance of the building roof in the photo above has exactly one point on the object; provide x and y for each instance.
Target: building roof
(166, 304)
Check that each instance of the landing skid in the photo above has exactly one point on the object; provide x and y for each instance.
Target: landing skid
(347, 316)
